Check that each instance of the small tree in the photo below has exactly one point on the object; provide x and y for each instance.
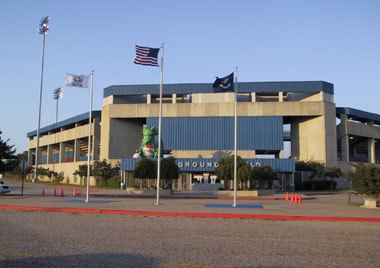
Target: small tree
(7, 154)
(225, 170)
(103, 170)
(313, 166)
(169, 170)
(43, 171)
(145, 169)
(82, 172)
(366, 180)
(264, 175)
(334, 172)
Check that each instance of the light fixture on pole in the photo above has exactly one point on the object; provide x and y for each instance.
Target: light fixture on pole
(42, 29)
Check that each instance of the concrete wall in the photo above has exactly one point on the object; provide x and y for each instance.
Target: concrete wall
(310, 108)
(314, 138)
(125, 137)
(357, 129)
(65, 135)
(68, 169)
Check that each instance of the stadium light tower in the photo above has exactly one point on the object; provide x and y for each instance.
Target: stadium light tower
(42, 29)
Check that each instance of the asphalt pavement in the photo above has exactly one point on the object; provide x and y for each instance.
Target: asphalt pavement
(40, 239)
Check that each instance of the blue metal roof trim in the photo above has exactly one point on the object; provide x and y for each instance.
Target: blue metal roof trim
(358, 114)
(209, 164)
(69, 121)
(243, 87)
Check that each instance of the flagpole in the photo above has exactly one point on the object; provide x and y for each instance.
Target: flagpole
(89, 139)
(159, 125)
(235, 139)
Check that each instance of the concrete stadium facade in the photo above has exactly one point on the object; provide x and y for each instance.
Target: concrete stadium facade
(198, 128)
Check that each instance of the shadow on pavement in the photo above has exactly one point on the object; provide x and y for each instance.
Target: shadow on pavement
(85, 260)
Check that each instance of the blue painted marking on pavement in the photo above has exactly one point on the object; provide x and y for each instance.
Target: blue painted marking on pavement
(89, 201)
(230, 206)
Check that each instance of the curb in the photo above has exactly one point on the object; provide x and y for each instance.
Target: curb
(199, 197)
(187, 214)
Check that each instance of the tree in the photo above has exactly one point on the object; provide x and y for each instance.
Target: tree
(366, 180)
(313, 166)
(334, 172)
(82, 172)
(7, 153)
(145, 169)
(15, 163)
(103, 170)
(225, 169)
(169, 170)
(264, 174)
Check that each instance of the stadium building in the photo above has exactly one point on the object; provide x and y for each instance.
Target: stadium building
(278, 124)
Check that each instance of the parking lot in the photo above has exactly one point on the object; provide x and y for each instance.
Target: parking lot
(81, 240)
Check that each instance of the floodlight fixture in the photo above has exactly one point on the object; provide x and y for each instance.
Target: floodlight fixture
(43, 28)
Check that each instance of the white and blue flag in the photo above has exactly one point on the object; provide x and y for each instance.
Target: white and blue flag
(74, 80)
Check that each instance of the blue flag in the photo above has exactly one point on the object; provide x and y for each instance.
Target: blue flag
(224, 84)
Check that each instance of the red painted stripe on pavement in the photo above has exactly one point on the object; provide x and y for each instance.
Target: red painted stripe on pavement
(201, 197)
(189, 214)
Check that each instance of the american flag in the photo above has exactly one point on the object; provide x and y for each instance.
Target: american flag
(146, 55)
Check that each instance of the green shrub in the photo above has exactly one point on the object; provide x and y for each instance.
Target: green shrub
(333, 172)
(113, 182)
(317, 185)
(366, 180)
(264, 175)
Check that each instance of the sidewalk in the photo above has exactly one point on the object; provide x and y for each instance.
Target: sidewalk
(323, 206)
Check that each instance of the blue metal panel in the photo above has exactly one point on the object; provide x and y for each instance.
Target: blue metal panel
(217, 133)
(243, 87)
(58, 125)
(210, 164)
(359, 115)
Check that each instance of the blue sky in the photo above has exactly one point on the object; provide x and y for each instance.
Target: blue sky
(334, 41)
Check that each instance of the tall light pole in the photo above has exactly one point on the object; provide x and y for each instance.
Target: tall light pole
(42, 29)
(58, 94)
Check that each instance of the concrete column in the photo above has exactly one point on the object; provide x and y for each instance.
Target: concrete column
(174, 98)
(30, 156)
(96, 139)
(345, 145)
(61, 151)
(49, 153)
(355, 151)
(180, 182)
(206, 177)
(345, 148)
(148, 98)
(253, 97)
(281, 96)
(371, 151)
(189, 179)
(76, 150)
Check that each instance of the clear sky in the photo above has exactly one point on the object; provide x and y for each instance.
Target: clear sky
(334, 41)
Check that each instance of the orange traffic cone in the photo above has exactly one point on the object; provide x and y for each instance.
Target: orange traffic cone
(43, 192)
(286, 196)
(292, 197)
(55, 192)
(296, 198)
(300, 200)
(62, 194)
(74, 192)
